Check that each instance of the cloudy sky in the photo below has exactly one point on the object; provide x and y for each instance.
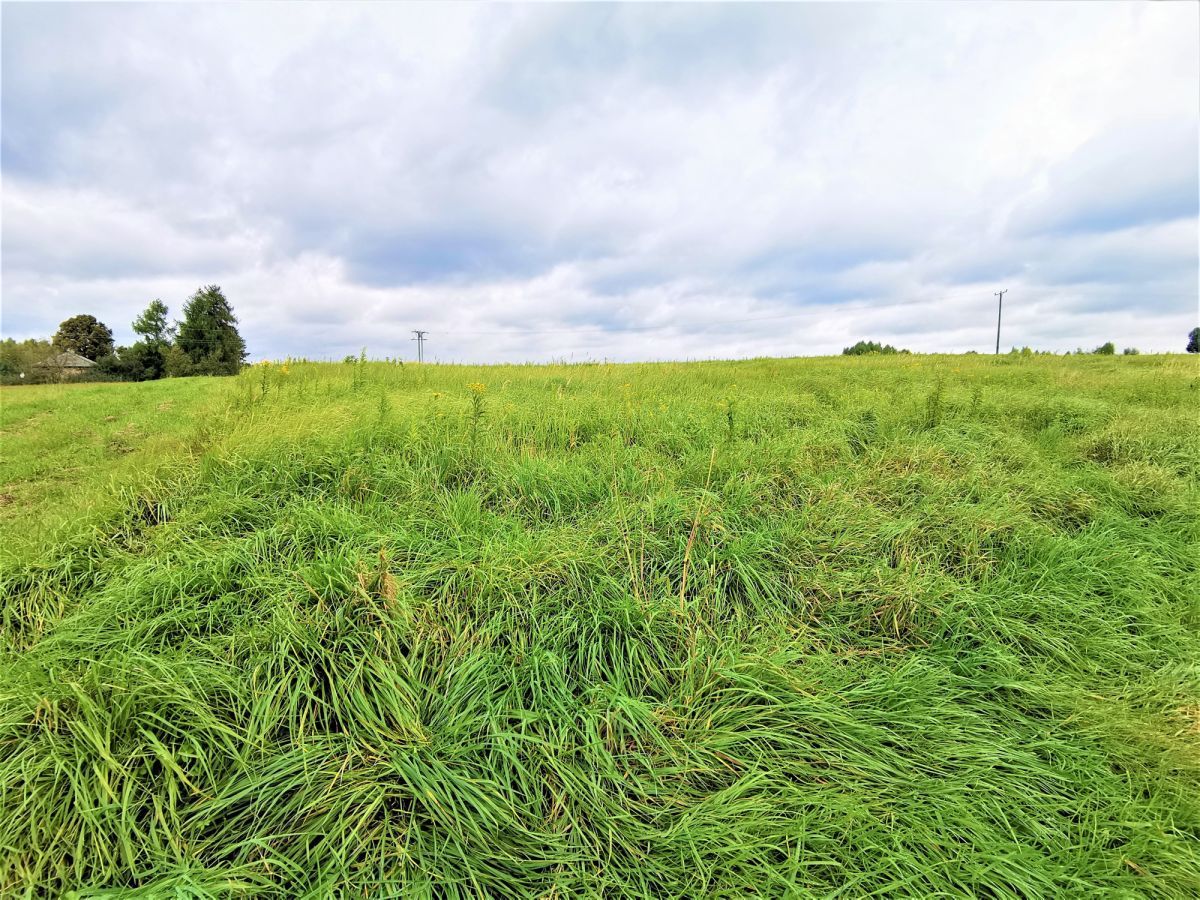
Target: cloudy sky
(593, 181)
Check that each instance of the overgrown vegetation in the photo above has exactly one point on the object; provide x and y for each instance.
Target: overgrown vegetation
(905, 626)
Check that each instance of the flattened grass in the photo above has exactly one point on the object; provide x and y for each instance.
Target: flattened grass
(364, 630)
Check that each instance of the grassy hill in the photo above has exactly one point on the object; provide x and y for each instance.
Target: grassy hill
(906, 626)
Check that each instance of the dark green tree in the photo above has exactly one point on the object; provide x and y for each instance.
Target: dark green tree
(141, 362)
(208, 335)
(863, 348)
(84, 335)
(1193, 345)
(1106, 349)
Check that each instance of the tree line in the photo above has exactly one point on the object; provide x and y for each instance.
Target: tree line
(205, 342)
(867, 348)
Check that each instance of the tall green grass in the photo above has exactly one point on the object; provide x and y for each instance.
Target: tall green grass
(915, 626)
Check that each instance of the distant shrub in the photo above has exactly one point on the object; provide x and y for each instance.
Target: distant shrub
(1130, 351)
(16, 358)
(141, 362)
(863, 348)
(1193, 344)
(1106, 349)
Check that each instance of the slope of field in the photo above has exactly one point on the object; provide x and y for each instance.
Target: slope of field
(907, 626)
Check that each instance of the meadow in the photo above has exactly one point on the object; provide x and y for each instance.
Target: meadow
(903, 626)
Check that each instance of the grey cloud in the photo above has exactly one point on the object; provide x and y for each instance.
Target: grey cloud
(350, 173)
(1139, 172)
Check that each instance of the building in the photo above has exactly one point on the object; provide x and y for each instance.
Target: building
(65, 365)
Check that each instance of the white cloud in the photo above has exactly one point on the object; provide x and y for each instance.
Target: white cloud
(617, 181)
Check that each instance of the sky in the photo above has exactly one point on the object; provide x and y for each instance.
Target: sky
(621, 182)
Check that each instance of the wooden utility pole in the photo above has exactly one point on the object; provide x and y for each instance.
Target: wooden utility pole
(999, 310)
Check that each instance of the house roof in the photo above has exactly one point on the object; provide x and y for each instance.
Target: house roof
(66, 360)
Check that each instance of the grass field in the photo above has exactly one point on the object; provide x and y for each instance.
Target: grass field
(904, 627)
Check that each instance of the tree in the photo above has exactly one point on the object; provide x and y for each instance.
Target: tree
(208, 335)
(152, 324)
(141, 362)
(176, 363)
(115, 366)
(863, 348)
(1131, 351)
(17, 357)
(84, 335)
(1106, 349)
(1193, 345)
(147, 359)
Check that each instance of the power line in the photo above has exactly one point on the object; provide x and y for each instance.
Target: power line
(420, 339)
(634, 329)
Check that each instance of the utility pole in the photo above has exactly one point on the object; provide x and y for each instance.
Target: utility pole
(999, 310)
(420, 339)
